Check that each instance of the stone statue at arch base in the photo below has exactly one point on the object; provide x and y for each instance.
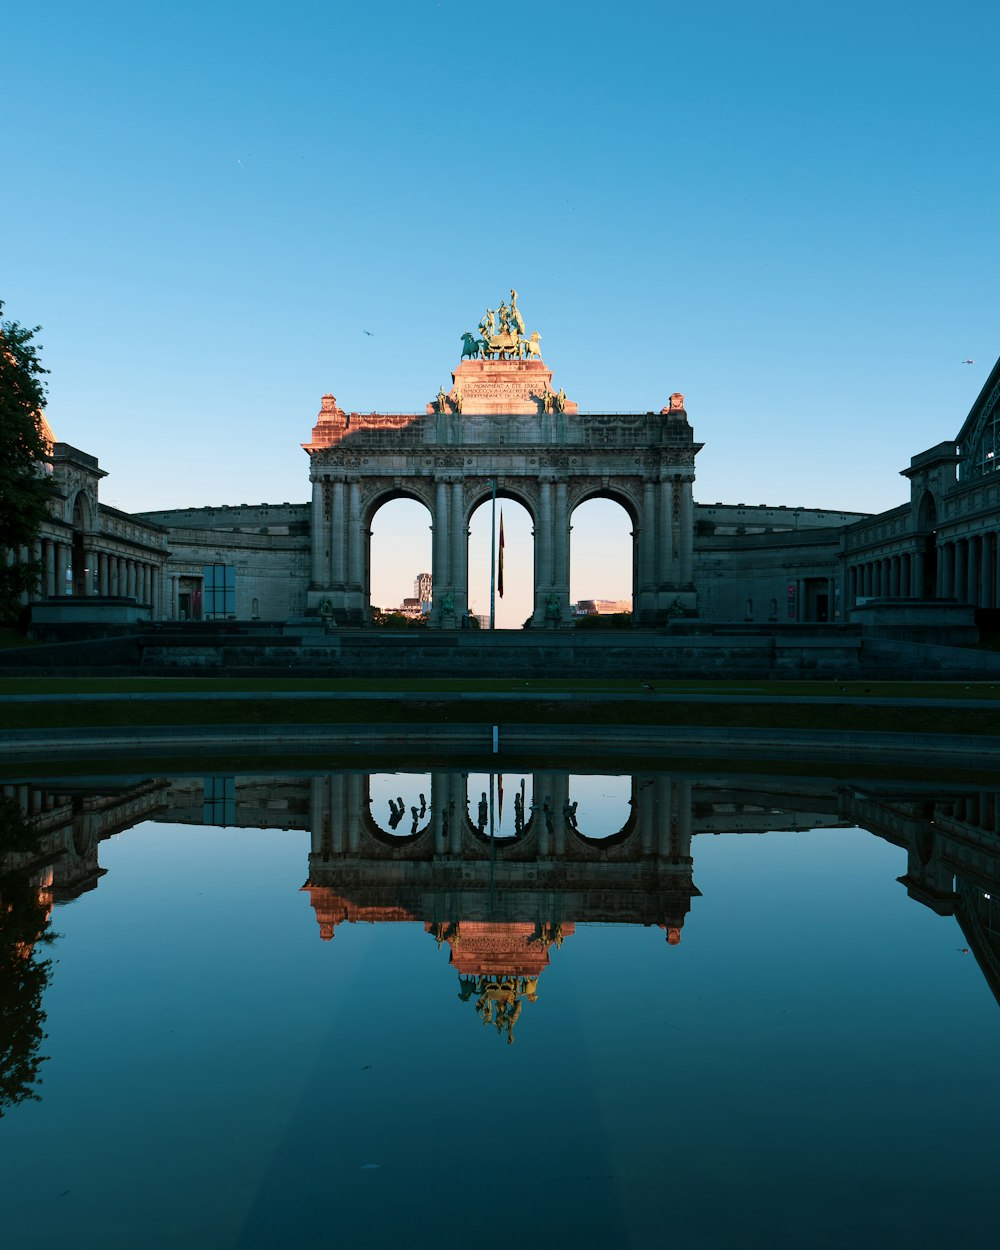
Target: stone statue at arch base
(511, 387)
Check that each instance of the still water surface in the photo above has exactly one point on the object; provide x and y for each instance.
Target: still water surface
(695, 1011)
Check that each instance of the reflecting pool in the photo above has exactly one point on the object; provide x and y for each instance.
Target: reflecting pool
(453, 1008)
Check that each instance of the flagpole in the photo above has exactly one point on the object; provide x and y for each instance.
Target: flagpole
(493, 558)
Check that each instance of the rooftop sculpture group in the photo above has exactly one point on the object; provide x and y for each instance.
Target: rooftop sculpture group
(503, 336)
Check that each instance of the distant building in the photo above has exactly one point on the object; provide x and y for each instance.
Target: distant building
(422, 588)
(601, 607)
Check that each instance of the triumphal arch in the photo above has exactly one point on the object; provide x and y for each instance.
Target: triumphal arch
(502, 423)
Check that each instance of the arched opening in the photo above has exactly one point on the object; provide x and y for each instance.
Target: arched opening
(927, 526)
(399, 803)
(513, 593)
(501, 809)
(602, 559)
(78, 572)
(398, 575)
(599, 807)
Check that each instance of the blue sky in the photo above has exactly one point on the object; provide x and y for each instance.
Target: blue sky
(786, 211)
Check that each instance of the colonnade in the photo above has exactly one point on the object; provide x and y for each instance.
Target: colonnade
(662, 511)
(659, 828)
(968, 570)
(67, 572)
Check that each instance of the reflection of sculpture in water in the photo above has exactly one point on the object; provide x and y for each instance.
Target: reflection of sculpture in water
(518, 813)
(398, 810)
(443, 931)
(549, 934)
(501, 999)
(484, 812)
(569, 814)
(423, 807)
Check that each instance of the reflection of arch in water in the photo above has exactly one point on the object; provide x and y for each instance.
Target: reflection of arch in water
(594, 823)
(383, 788)
(507, 792)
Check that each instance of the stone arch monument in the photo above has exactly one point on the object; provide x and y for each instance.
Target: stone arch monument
(501, 421)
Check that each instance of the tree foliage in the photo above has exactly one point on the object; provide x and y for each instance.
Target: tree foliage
(25, 489)
(24, 977)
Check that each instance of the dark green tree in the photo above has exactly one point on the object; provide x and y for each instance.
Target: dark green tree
(25, 489)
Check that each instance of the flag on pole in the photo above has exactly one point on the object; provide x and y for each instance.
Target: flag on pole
(500, 560)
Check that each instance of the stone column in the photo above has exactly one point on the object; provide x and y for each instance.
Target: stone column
(545, 535)
(354, 537)
(996, 568)
(543, 550)
(665, 574)
(686, 536)
(49, 582)
(175, 598)
(459, 536)
(338, 534)
(440, 816)
(560, 537)
(317, 535)
(894, 577)
(988, 569)
(647, 551)
(971, 571)
(354, 789)
(917, 573)
(662, 809)
(440, 558)
(62, 565)
(946, 576)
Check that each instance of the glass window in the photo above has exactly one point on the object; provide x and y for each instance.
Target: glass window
(220, 591)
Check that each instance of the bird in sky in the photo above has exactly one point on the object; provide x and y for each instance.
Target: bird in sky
(371, 336)
(967, 362)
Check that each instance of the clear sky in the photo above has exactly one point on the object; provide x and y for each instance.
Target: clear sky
(786, 211)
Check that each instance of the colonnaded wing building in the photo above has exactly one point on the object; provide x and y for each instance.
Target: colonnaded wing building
(928, 564)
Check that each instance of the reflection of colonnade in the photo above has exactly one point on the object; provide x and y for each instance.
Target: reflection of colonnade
(536, 885)
(550, 463)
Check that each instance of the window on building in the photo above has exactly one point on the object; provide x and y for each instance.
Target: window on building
(219, 805)
(981, 454)
(220, 591)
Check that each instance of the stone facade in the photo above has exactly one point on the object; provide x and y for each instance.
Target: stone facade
(88, 550)
(945, 543)
(548, 461)
(266, 546)
(720, 563)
